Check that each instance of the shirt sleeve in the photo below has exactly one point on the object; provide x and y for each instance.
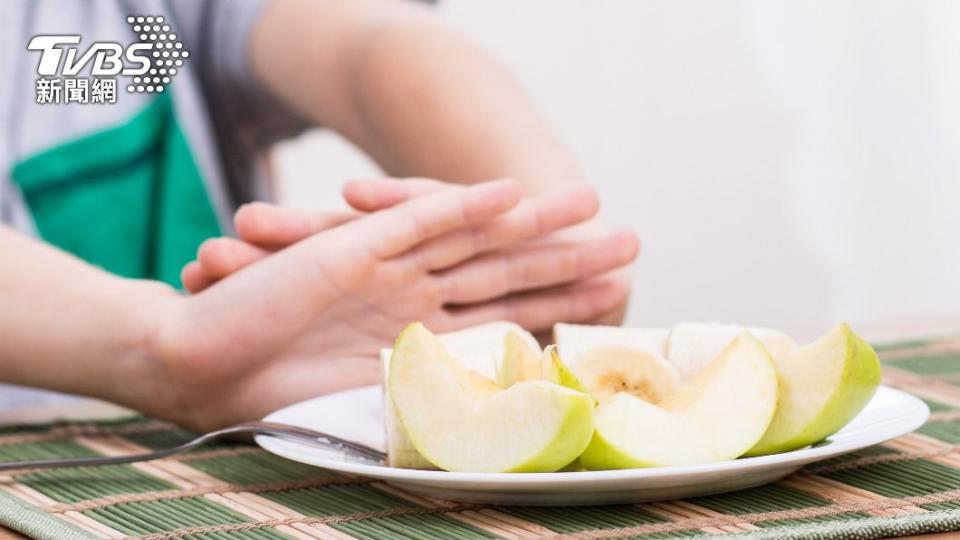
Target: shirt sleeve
(222, 30)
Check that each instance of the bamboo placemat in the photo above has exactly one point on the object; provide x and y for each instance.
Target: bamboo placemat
(908, 486)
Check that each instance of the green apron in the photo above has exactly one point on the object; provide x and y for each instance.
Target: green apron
(129, 199)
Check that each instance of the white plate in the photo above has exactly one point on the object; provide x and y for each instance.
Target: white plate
(357, 415)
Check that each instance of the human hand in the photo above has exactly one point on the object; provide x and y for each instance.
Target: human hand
(264, 228)
(311, 318)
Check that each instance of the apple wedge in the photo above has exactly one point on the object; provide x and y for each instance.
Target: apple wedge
(479, 348)
(459, 424)
(400, 451)
(520, 361)
(823, 385)
(692, 345)
(554, 370)
(719, 414)
(482, 347)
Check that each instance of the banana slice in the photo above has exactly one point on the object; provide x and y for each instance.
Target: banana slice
(611, 359)
(608, 370)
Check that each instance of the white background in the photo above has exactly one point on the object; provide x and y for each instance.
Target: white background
(786, 164)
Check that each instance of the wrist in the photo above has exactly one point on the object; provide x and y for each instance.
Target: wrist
(139, 376)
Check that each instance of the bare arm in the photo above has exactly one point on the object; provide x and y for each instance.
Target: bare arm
(303, 321)
(70, 327)
(418, 97)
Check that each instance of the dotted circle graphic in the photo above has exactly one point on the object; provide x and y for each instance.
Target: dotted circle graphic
(167, 52)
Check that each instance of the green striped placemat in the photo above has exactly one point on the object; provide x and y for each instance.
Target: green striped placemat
(910, 485)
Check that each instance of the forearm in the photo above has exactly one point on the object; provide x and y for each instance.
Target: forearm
(70, 327)
(417, 96)
(436, 105)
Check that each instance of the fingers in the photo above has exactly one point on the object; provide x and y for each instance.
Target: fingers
(377, 194)
(534, 267)
(615, 316)
(216, 259)
(265, 227)
(532, 218)
(220, 257)
(193, 278)
(539, 310)
(393, 231)
(270, 225)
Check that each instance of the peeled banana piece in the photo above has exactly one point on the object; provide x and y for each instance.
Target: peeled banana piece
(611, 359)
(608, 370)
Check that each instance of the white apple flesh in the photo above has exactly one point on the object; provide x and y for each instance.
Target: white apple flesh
(520, 362)
(459, 424)
(692, 345)
(718, 414)
(823, 385)
(479, 348)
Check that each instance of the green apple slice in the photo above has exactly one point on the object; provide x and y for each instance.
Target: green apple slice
(718, 414)
(554, 370)
(479, 348)
(533, 426)
(482, 347)
(401, 452)
(693, 345)
(823, 385)
(520, 361)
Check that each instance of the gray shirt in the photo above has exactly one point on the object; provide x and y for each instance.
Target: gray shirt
(227, 117)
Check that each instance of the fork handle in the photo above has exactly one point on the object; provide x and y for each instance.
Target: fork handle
(282, 431)
(307, 436)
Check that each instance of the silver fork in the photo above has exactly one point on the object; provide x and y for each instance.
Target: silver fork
(281, 431)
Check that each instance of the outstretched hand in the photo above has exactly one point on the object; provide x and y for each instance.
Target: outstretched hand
(277, 326)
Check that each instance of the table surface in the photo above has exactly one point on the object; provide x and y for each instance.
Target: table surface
(94, 409)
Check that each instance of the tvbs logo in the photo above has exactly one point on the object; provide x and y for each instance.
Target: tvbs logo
(108, 58)
(151, 62)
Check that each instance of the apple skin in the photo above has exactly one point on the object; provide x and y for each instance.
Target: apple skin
(559, 453)
(859, 379)
(555, 371)
(603, 455)
(569, 443)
